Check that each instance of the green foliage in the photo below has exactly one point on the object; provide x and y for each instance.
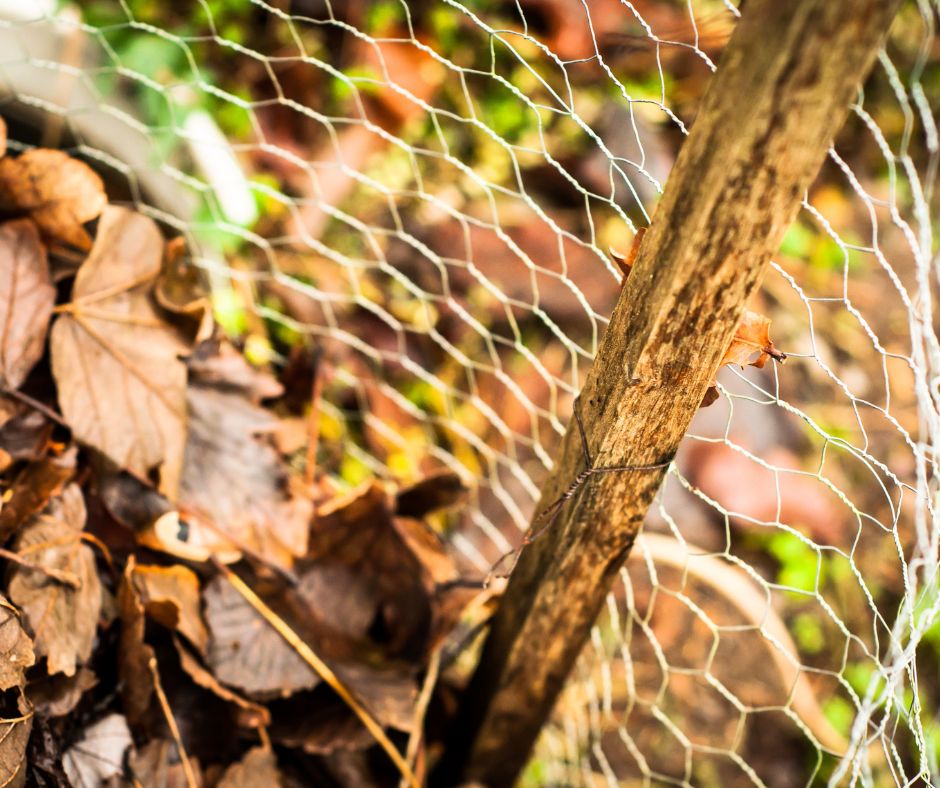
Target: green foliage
(808, 633)
(801, 567)
(382, 18)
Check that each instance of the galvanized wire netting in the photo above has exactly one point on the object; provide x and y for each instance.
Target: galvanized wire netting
(432, 194)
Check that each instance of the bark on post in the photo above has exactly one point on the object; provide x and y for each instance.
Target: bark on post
(781, 92)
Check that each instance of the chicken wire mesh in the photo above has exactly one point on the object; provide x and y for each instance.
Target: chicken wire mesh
(433, 194)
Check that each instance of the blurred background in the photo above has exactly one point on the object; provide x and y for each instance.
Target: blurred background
(434, 195)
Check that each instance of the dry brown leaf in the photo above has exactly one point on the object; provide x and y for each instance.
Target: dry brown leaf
(150, 765)
(625, 263)
(62, 620)
(26, 300)
(318, 724)
(435, 491)
(258, 768)
(16, 649)
(170, 595)
(25, 431)
(234, 483)
(251, 714)
(59, 192)
(56, 696)
(219, 365)
(396, 561)
(121, 383)
(100, 754)
(3, 138)
(16, 723)
(751, 336)
(35, 485)
(180, 288)
(245, 652)
(134, 655)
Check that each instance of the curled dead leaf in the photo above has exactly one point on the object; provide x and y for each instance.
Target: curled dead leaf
(751, 336)
(59, 193)
(121, 383)
(434, 492)
(156, 765)
(625, 263)
(180, 288)
(134, 655)
(26, 300)
(62, 619)
(170, 595)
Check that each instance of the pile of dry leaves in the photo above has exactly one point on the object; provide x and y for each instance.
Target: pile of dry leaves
(177, 608)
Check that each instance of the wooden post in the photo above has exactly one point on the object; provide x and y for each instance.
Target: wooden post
(781, 92)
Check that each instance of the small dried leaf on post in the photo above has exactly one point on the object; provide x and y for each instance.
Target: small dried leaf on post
(752, 336)
(625, 264)
(26, 300)
(59, 193)
(122, 385)
(63, 620)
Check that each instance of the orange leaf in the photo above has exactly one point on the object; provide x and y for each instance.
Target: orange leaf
(752, 336)
(625, 264)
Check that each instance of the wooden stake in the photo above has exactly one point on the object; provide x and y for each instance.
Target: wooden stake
(781, 92)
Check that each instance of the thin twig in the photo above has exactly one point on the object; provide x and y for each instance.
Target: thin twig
(313, 420)
(322, 669)
(420, 710)
(45, 410)
(285, 574)
(552, 511)
(171, 722)
(63, 576)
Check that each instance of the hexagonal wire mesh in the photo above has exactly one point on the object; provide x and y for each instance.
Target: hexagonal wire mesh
(431, 193)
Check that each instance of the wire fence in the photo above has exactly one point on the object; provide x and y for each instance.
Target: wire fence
(435, 195)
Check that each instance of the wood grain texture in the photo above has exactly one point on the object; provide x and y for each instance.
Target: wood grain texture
(782, 91)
